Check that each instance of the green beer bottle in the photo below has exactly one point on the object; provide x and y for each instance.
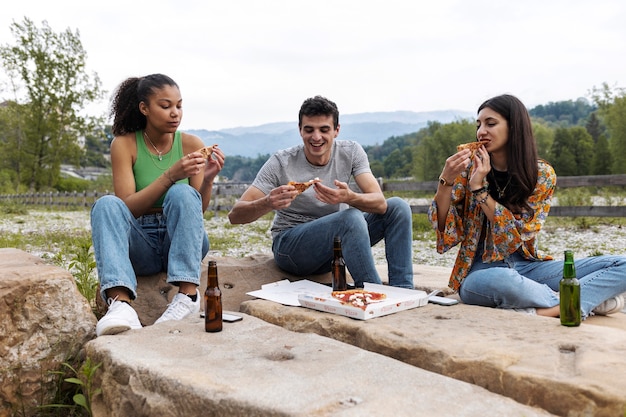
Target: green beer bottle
(569, 289)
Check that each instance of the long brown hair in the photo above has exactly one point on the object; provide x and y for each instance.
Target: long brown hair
(521, 151)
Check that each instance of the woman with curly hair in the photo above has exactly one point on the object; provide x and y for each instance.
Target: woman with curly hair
(154, 222)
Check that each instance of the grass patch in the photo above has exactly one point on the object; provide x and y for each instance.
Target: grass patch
(582, 223)
(422, 228)
(228, 239)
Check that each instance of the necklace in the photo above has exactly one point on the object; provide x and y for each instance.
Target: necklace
(160, 157)
(155, 148)
(503, 190)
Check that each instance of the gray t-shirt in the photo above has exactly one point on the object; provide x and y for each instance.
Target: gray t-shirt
(348, 159)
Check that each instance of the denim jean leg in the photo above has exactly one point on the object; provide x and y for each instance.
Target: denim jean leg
(600, 277)
(308, 248)
(396, 227)
(111, 225)
(147, 252)
(187, 239)
(500, 284)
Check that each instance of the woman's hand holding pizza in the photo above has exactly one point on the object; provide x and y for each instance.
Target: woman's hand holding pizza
(187, 166)
(214, 164)
(455, 164)
(481, 168)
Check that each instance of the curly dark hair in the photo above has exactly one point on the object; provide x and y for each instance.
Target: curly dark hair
(125, 102)
(319, 106)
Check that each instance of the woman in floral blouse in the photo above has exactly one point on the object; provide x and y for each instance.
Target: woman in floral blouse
(493, 203)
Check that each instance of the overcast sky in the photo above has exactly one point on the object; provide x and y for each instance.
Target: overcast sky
(247, 62)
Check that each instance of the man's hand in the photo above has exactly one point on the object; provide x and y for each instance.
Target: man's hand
(281, 197)
(328, 195)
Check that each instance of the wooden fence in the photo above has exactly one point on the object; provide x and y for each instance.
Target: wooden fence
(225, 194)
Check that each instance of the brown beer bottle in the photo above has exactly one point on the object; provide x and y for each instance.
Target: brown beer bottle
(213, 301)
(338, 267)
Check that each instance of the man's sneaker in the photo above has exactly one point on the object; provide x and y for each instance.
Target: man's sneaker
(180, 307)
(610, 306)
(119, 317)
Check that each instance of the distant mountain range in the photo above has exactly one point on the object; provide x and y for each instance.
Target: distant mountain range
(366, 128)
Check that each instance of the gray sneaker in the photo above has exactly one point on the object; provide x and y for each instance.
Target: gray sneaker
(180, 307)
(611, 306)
(119, 317)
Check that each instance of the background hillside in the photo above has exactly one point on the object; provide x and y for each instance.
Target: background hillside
(366, 128)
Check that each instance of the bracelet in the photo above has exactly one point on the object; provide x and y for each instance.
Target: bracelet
(483, 200)
(445, 182)
(480, 190)
(167, 173)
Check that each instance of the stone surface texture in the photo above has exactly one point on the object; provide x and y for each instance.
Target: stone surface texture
(532, 359)
(253, 368)
(44, 322)
(292, 361)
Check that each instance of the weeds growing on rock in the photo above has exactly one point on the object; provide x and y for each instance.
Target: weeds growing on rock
(82, 265)
(85, 390)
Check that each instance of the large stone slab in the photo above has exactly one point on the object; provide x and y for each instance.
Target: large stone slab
(44, 322)
(238, 276)
(534, 360)
(253, 368)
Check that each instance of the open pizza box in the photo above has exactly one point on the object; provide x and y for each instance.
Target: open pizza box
(317, 296)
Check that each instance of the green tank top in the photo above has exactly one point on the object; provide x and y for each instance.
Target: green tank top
(148, 168)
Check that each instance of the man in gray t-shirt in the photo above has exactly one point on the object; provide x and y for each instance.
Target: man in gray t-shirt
(305, 224)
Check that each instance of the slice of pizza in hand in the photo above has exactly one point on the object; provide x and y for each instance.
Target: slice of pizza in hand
(472, 146)
(207, 151)
(302, 186)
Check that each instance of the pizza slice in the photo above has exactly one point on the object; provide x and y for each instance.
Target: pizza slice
(472, 146)
(207, 151)
(358, 297)
(302, 186)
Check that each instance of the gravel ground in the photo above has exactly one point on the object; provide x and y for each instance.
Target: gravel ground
(244, 240)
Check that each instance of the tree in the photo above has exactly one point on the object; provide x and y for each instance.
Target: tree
(378, 169)
(601, 163)
(612, 110)
(47, 75)
(398, 164)
(563, 160)
(594, 127)
(564, 113)
(583, 149)
(438, 145)
(572, 151)
(544, 137)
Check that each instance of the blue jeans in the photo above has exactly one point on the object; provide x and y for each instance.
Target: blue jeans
(519, 283)
(307, 249)
(125, 246)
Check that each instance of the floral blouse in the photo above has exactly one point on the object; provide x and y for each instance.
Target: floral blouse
(508, 233)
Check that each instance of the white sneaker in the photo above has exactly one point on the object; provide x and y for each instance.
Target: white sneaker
(610, 306)
(119, 317)
(531, 311)
(180, 307)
